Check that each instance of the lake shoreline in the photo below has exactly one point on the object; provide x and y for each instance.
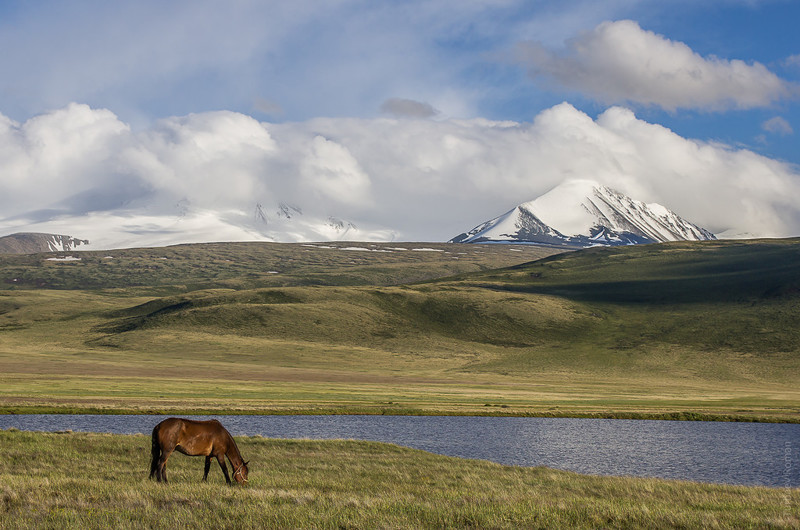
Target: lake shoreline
(618, 415)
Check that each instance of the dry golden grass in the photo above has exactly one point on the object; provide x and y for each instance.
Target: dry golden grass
(100, 481)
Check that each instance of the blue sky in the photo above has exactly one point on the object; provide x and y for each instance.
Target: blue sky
(294, 61)
(719, 72)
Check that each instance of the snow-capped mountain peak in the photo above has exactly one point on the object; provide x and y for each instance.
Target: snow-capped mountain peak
(583, 213)
(28, 243)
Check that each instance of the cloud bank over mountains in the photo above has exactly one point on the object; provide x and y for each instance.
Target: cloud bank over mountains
(203, 176)
(407, 150)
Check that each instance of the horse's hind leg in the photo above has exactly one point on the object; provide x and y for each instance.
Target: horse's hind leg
(154, 462)
(161, 471)
(153, 466)
(208, 466)
(155, 452)
(221, 460)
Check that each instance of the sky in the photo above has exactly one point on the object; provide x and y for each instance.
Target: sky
(151, 122)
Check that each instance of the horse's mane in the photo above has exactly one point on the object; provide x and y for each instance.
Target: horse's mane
(232, 442)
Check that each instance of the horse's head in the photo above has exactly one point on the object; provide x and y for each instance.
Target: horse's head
(240, 474)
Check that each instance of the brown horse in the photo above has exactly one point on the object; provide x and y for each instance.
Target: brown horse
(195, 438)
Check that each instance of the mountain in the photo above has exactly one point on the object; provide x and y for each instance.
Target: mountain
(289, 223)
(583, 213)
(30, 243)
(183, 222)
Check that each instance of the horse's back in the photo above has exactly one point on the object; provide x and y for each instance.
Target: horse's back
(206, 426)
(192, 437)
(183, 423)
(168, 423)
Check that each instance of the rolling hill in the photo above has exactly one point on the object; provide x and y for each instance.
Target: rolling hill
(737, 297)
(686, 327)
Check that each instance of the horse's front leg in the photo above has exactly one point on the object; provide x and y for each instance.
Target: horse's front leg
(208, 466)
(221, 460)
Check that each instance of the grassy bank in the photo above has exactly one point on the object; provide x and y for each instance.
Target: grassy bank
(97, 481)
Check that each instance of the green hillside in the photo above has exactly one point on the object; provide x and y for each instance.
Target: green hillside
(661, 330)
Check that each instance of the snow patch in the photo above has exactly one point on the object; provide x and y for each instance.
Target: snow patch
(362, 249)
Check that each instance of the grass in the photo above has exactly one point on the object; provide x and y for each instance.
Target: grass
(97, 480)
(685, 330)
(185, 268)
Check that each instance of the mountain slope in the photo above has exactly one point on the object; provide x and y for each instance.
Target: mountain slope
(31, 243)
(583, 213)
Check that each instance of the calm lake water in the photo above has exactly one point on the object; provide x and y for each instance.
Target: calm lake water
(731, 453)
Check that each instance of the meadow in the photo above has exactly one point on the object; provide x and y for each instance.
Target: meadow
(58, 480)
(706, 330)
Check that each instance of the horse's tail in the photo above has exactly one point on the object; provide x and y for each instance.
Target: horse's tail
(155, 451)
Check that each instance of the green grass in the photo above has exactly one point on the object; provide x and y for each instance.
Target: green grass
(685, 330)
(100, 481)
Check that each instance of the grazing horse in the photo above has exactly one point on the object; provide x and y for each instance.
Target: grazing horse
(195, 438)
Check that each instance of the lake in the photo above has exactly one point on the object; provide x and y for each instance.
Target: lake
(766, 454)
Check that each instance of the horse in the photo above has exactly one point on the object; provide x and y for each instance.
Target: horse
(195, 438)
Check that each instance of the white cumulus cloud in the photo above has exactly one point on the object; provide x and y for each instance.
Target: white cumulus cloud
(330, 171)
(213, 157)
(226, 176)
(55, 156)
(619, 61)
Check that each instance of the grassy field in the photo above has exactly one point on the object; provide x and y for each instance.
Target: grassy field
(100, 481)
(685, 330)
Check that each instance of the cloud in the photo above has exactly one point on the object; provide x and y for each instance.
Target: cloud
(201, 176)
(213, 157)
(143, 58)
(265, 106)
(301, 59)
(329, 170)
(777, 125)
(620, 62)
(793, 61)
(304, 58)
(62, 154)
(408, 108)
